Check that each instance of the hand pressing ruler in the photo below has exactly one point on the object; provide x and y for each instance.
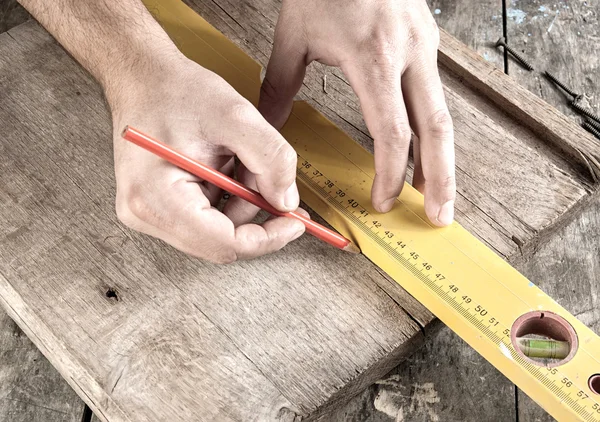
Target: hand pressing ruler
(465, 284)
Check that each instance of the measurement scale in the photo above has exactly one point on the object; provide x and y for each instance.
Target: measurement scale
(459, 279)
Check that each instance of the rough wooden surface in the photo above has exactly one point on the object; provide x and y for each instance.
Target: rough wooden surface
(11, 15)
(30, 388)
(292, 327)
(566, 266)
(423, 399)
(562, 37)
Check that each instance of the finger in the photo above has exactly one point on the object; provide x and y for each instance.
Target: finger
(379, 91)
(432, 122)
(183, 217)
(236, 209)
(253, 240)
(285, 71)
(418, 178)
(265, 153)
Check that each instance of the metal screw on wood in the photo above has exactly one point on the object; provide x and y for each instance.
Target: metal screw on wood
(520, 59)
(569, 91)
(592, 129)
(576, 98)
(594, 123)
(584, 111)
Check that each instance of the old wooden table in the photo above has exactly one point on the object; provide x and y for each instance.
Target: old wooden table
(565, 266)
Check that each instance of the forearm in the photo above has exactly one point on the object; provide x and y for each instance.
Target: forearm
(118, 42)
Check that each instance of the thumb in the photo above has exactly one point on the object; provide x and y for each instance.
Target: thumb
(285, 71)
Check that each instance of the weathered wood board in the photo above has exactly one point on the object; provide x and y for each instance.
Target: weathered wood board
(281, 327)
(30, 388)
(414, 390)
(562, 38)
(143, 301)
(11, 14)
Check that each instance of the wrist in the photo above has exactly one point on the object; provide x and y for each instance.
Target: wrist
(137, 71)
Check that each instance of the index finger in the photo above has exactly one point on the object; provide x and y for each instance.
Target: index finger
(431, 121)
(377, 86)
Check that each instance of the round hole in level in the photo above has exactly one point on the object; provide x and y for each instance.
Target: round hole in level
(594, 383)
(544, 338)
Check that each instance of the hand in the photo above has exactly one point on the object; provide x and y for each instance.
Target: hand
(388, 51)
(198, 113)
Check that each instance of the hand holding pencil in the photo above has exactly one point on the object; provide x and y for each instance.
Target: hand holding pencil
(195, 112)
(234, 187)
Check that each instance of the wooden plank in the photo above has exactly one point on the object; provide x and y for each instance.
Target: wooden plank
(567, 268)
(122, 263)
(563, 38)
(446, 380)
(477, 25)
(30, 388)
(298, 331)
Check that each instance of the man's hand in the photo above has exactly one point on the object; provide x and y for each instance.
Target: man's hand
(198, 113)
(388, 51)
(149, 84)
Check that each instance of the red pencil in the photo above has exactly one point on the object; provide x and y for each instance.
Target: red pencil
(233, 187)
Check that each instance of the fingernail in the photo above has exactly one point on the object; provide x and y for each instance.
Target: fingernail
(387, 204)
(446, 214)
(291, 198)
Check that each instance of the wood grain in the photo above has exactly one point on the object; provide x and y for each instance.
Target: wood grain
(563, 38)
(304, 338)
(293, 327)
(30, 388)
(11, 15)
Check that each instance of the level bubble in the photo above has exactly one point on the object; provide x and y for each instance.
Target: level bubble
(544, 338)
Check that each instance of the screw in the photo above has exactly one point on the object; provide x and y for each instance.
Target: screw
(587, 126)
(581, 110)
(554, 79)
(520, 59)
(593, 123)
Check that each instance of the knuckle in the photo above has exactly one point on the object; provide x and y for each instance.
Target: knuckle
(132, 206)
(439, 124)
(224, 257)
(446, 184)
(243, 113)
(397, 131)
(287, 155)
(283, 158)
(384, 53)
(416, 37)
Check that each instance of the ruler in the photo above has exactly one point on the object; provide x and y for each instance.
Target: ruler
(458, 278)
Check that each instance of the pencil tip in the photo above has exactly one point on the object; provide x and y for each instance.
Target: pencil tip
(352, 248)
